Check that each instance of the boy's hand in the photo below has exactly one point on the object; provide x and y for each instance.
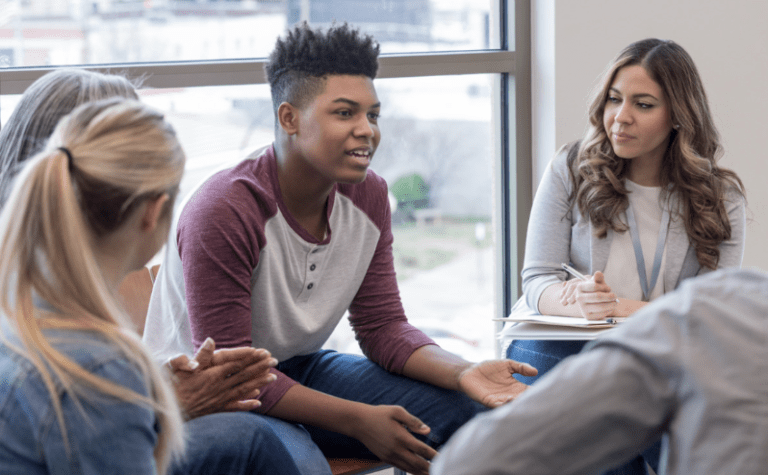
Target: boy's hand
(221, 380)
(386, 431)
(491, 382)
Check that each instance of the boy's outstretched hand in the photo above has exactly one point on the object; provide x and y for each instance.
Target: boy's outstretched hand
(386, 431)
(491, 382)
(221, 380)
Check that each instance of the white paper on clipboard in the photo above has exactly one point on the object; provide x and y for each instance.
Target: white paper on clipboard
(562, 321)
(527, 324)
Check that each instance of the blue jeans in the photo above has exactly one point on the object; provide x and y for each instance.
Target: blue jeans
(544, 355)
(357, 378)
(541, 354)
(244, 443)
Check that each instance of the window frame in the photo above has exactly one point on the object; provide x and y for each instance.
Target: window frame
(512, 110)
(251, 71)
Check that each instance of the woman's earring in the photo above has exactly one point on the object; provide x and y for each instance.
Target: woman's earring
(677, 126)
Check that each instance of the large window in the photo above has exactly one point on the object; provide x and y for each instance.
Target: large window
(453, 120)
(59, 32)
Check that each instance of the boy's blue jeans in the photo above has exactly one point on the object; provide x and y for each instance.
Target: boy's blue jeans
(244, 443)
(346, 376)
(357, 378)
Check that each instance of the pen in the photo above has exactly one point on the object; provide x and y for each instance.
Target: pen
(572, 271)
(581, 276)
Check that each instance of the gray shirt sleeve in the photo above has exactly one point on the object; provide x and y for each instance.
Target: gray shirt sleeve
(587, 415)
(732, 250)
(692, 365)
(548, 242)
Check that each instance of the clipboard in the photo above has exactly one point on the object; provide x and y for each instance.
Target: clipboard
(579, 322)
(530, 325)
(542, 331)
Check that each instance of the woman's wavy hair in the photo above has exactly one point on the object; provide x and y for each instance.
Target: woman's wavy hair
(689, 168)
(102, 161)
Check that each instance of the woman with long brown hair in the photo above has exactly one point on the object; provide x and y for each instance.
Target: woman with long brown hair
(637, 206)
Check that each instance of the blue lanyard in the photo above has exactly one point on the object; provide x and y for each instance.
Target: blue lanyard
(660, 243)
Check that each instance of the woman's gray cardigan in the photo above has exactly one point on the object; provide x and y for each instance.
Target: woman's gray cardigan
(557, 233)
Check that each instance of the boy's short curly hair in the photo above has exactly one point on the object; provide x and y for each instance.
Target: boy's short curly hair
(301, 59)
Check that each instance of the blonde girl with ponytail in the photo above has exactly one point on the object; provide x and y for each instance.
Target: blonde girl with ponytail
(79, 393)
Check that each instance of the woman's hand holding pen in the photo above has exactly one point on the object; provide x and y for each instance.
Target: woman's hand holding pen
(593, 296)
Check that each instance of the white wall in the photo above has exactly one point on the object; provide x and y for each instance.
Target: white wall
(727, 40)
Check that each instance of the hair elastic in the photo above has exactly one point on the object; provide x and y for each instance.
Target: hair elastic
(70, 160)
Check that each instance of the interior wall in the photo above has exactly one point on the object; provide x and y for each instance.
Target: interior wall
(729, 44)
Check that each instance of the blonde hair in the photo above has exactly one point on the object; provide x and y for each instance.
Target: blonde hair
(689, 168)
(122, 152)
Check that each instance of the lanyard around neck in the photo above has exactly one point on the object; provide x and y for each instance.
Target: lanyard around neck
(660, 243)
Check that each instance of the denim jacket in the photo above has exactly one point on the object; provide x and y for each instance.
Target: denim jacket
(105, 435)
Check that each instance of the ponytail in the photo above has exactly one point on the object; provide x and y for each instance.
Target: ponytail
(101, 161)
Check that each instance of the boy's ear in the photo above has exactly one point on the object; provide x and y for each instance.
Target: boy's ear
(153, 211)
(288, 117)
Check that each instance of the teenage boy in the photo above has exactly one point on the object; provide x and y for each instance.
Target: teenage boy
(274, 251)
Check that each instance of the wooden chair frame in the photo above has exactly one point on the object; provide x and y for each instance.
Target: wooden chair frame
(345, 466)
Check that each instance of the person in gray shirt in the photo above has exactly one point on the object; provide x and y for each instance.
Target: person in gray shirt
(692, 365)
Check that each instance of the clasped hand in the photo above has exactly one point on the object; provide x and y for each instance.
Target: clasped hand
(593, 296)
(221, 380)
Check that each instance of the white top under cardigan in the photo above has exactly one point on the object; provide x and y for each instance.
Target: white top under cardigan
(621, 269)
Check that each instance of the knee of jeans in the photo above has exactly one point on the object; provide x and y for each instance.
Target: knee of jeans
(267, 441)
(542, 355)
(230, 429)
(462, 410)
(229, 443)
